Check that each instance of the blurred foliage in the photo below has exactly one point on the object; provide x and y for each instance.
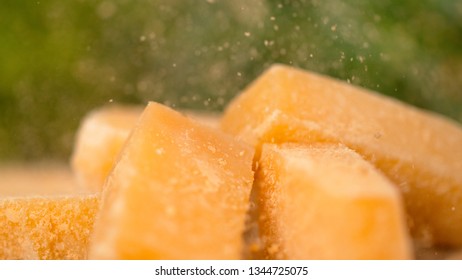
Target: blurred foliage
(58, 60)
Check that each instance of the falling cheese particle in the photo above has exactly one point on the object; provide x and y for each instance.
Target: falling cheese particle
(419, 151)
(43, 215)
(180, 190)
(210, 119)
(326, 202)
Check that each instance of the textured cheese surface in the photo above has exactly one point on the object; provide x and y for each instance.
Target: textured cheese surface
(420, 151)
(102, 135)
(180, 190)
(326, 202)
(99, 140)
(43, 215)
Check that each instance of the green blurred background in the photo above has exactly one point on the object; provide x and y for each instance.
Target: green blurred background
(60, 59)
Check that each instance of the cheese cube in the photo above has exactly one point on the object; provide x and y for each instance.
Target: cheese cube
(101, 137)
(180, 190)
(42, 214)
(99, 140)
(419, 151)
(326, 202)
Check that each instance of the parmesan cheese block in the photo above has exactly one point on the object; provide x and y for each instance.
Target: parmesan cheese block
(419, 151)
(101, 137)
(326, 202)
(99, 140)
(42, 214)
(179, 190)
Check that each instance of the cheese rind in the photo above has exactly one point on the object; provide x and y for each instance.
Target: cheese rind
(326, 202)
(180, 190)
(419, 151)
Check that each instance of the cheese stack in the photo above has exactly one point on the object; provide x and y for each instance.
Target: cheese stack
(419, 151)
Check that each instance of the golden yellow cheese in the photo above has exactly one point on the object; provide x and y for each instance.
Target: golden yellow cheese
(43, 215)
(324, 201)
(179, 190)
(99, 140)
(101, 136)
(419, 151)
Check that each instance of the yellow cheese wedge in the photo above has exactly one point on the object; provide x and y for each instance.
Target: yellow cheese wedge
(101, 137)
(42, 215)
(326, 202)
(420, 151)
(180, 190)
(99, 140)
